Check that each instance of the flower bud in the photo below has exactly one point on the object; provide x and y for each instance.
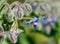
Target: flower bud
(20, 12)
(1, 38)
(13, 37)
(32, 21)
(28, 7)
(45, 6)
(14, 32)
(14, 28)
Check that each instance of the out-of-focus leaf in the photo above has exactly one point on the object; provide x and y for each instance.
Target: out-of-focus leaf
(22, 39)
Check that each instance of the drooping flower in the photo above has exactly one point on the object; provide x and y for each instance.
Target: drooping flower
(43, 20)
(33, 21)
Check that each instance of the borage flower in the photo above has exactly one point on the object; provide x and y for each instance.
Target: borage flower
(47, 24)
(33, 22)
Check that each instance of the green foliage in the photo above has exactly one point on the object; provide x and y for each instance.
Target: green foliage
(30, 35)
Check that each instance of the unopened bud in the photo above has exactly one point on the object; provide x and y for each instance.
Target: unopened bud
(20, 12)
(28, 7)
(13, 37)
(14, 32)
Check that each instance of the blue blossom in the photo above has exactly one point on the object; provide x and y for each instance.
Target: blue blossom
(43, 20)
(27, 23)
(35, 20)
(52, 20)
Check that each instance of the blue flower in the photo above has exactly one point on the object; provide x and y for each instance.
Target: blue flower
(52, 20)
(43, 20)
(35, 20)
(27, 23)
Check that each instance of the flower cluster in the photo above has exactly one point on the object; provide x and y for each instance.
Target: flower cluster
(15, 11)
(11, 13)
(43, 20)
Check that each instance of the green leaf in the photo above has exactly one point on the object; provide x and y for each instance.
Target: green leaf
(22, 39)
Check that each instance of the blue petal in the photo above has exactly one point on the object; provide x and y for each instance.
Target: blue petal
(43, 20)
(35, 19)
(52, 20)
(32, 22)
(27, 23)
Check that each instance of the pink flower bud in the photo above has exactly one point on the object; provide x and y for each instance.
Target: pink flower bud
(28, 7)
(13, 32)
(20, 12)
(13, 37)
